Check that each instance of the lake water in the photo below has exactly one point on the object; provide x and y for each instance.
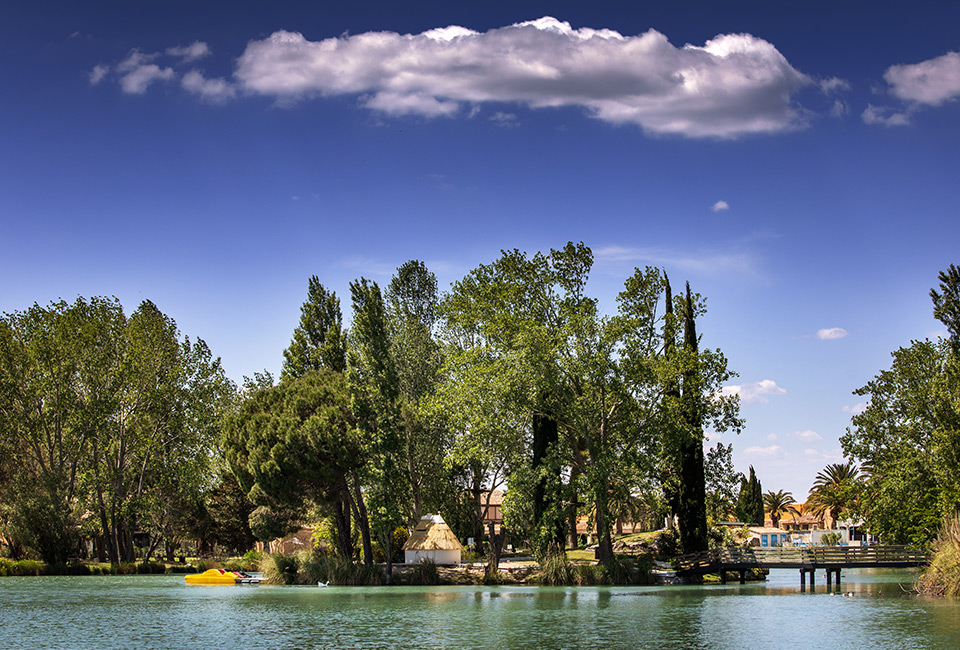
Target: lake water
(107, 612)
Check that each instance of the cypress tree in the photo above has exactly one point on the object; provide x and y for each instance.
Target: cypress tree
(750, 502)
(692, 514)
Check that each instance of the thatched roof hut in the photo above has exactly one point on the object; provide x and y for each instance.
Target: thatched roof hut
(432, 539)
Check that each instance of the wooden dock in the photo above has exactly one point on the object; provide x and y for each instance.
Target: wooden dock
(807, 559)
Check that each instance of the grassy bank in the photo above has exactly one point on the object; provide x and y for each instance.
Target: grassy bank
(942, 577)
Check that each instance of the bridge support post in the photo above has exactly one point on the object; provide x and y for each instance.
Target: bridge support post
(723, 576)
(743, 576)
(829, 577)
(803, 580)
(838, 578)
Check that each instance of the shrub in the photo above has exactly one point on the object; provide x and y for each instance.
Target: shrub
(942, 577)
(151, 567)
(555, 569)
(279, 569)
(424, 573)
(206, 563)
(830, 539)
(22, 567)
(665, 544)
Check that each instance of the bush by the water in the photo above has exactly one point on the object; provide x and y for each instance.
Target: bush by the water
(424, 573)
(556, 570)
(942, 577)
(311, 567)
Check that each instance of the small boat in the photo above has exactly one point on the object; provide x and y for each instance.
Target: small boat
(221, 577)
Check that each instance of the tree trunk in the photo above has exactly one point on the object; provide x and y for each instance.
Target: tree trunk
(496, 547)
(574, 540)
(362, 520)
(476, 491)
(342, 520)
(388, 548)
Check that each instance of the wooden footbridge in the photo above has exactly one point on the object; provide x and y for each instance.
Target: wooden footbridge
(807, 559)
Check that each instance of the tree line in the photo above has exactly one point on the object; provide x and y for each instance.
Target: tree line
(427, 402)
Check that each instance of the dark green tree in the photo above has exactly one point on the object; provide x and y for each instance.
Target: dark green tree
(318, 341)
(375, 392)
(750, 502)
(293, 447)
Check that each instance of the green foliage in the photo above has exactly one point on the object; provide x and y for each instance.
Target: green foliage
(292, 446)
(105, 414)
(750, 500)
(778, 504)
(318, 342)
(22, 567)
(942, 577)
(722, 482)
(280, 569)
(151, 567)
(424, 572)
(830, 539)
(554, 570)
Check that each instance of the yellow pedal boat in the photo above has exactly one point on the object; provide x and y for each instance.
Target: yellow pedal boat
(221, 577)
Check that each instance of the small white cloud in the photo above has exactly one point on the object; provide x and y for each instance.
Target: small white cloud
(215, 91)
(755, 393)
(720, 206)
(807, 436)
(859, 407)
(772, 437)
(831, 333)
(763, 452)
(140, 72)
(834, 85)
(98, 73)
(884, 116)
(505, 119)
(139, 79)
(188, 53)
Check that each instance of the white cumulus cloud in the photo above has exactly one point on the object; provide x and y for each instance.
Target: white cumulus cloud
(755, 393)
(808, 435)
(735, 84)
(831, 333)
(720, 206)
(929, 82)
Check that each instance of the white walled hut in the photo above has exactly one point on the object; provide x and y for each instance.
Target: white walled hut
(432, 539)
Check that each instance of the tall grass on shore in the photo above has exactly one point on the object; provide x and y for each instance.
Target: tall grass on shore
(942, 577)
(311, 567)
(556, 571)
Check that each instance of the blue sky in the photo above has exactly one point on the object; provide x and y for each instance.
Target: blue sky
(796, 163)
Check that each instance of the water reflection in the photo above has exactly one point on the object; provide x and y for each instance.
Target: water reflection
(870, 609)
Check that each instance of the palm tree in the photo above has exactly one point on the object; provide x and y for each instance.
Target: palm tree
(832, 491)
(778, 504)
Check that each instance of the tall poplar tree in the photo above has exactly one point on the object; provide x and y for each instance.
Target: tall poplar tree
(318, 341)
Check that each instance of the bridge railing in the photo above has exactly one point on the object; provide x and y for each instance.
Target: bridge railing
(813, 556)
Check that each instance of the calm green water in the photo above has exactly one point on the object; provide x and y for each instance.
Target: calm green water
(162, 612)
